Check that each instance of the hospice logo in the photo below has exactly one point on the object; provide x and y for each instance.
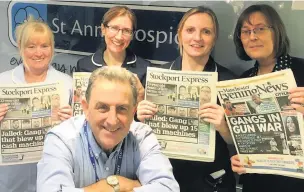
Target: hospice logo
(76, 27)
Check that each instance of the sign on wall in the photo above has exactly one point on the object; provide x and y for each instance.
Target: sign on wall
(76, 27)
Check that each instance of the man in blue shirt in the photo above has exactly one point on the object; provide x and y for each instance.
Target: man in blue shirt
(105, 150)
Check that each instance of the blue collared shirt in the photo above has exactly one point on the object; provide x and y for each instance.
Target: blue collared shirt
(66, 164)
(22, 178)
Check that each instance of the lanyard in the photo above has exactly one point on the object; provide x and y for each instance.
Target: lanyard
(92, 158)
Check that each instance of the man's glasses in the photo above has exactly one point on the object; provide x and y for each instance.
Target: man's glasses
(245, 34)
(115, 29)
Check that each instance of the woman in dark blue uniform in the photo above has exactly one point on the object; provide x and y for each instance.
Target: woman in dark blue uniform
(197, 34)
(118, 26)
(260, 35)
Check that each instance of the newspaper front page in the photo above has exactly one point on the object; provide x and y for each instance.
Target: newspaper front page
(267, 131)
(80, 84)
(33, 110)
(178, 95)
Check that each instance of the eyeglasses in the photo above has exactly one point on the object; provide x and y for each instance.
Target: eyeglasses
(245, 34)
(115, 29)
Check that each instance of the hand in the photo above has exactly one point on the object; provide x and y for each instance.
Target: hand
(214, 114)
(145, 110)
(3, 110)
(296, 97)
(140, 89)
(236, 165)
(65, 113)
(126, 184)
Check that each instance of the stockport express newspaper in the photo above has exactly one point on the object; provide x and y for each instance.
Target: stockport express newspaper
(178, 96)
(32, 112)
(80, 84)
(267, 131)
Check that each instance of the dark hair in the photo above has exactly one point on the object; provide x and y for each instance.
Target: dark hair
(281, 41)
(295, 121)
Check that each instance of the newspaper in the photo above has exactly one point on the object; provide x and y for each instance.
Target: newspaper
(267, 131)
(33, 110)
(178, 95)
(80, 84)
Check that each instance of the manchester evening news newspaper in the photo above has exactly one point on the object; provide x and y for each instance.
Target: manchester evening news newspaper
(267, 131)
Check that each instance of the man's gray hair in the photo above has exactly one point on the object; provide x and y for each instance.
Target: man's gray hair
(113, 74)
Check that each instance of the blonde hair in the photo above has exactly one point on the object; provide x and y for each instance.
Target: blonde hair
(195, 10)
(28, 29)
(118, 11)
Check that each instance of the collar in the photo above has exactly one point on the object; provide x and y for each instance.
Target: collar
(18, 74)
(283, 62)
(98, 60)
(97, 150)
(211, 65)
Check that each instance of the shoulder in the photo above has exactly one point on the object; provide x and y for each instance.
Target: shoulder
(224, 73)
(86, 64)
(247, 73)
(297, 68)
(68, 131)
(60, 75)
(143, 63)
(6, 75)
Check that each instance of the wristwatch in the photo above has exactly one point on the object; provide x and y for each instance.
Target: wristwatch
(113, 181)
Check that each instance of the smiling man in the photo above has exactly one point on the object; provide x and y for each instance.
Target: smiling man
(105, 150)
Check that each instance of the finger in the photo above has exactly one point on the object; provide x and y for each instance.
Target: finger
(66, 111)
(296, 95)
(211, 110)
(3, 105)
(63, 116)
(298, 108)
(296, 89)
(299, 100)
(4, 108)
(143, 117)
(210, 105)
(239, 170)
(2, 114)
(146, 112)
(146, 103)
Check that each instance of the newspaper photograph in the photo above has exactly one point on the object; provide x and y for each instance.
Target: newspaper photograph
(178, 95)
(267, 131)
(32, 111)
(80, 84)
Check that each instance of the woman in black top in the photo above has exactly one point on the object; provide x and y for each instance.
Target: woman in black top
(197, 34)
(260, 35)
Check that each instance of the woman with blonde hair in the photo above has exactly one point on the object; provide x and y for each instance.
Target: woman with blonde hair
(197, 33)
(36, 46)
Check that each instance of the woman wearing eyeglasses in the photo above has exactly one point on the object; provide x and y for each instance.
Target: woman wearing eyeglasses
(118, 26)
(260, 35)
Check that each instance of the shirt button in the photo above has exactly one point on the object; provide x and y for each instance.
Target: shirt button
(107, 168)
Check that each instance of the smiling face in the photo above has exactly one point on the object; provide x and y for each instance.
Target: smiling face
(109, 112)
(290, 124)
(258, 47)
(37, 52)
(197, 36)
(117, 42)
